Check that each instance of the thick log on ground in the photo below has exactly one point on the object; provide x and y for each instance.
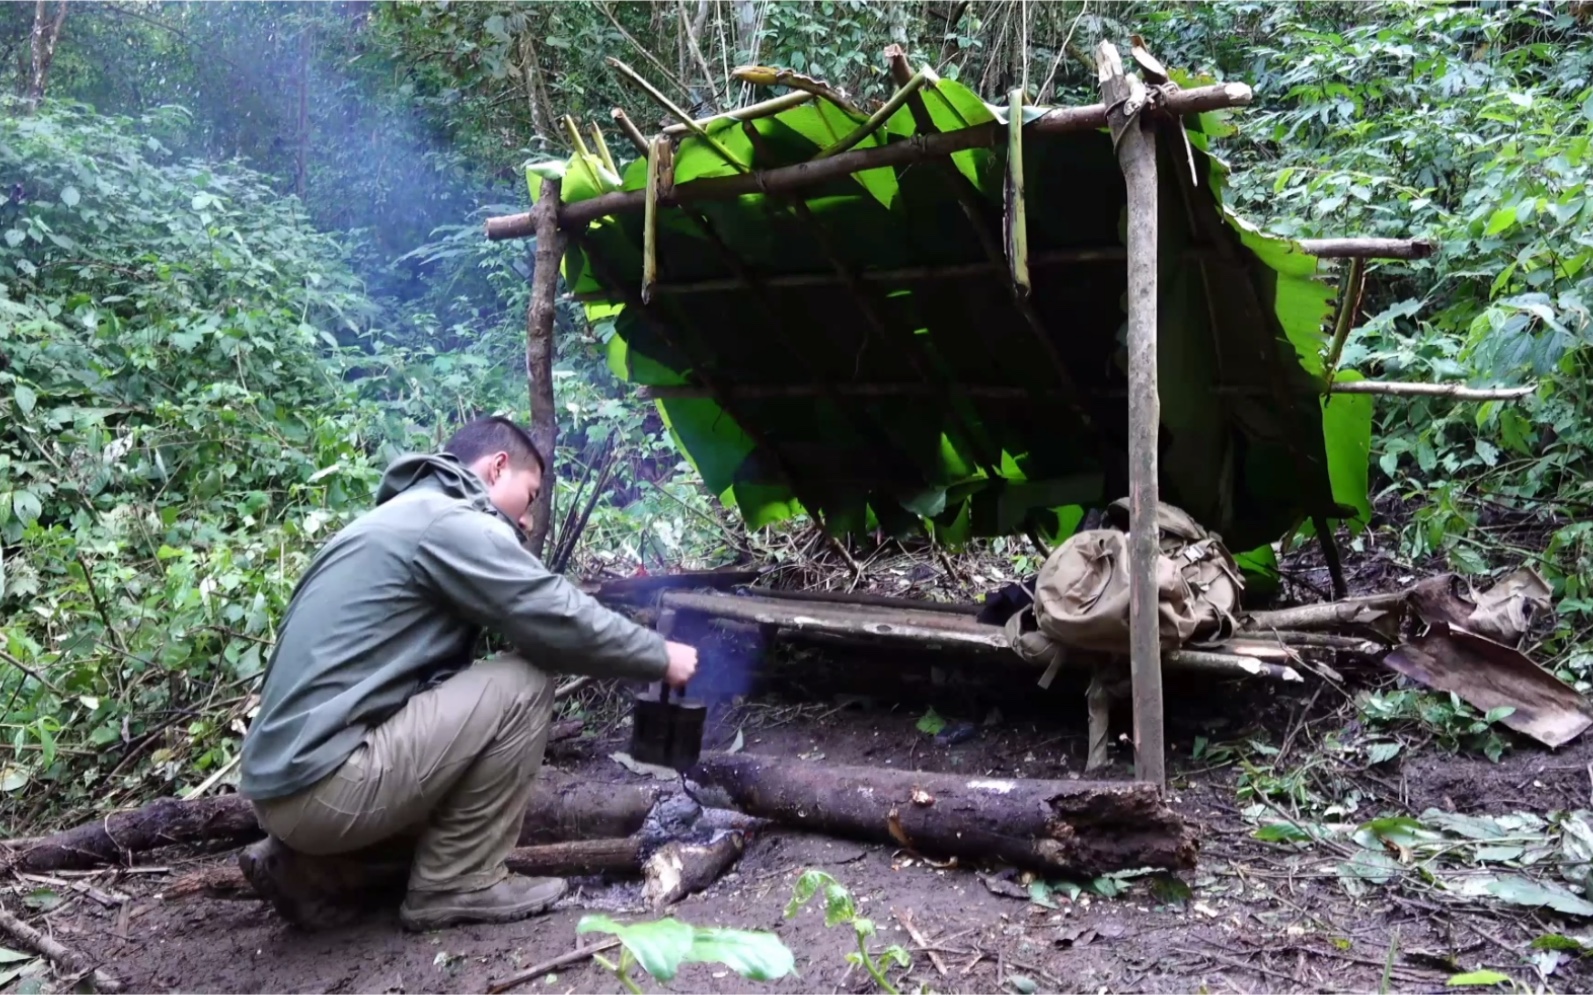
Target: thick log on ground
(561, 808)
(1078, 827)
(226, 881)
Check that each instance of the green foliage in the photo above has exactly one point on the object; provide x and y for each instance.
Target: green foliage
(1454, 724)
(840, 909)
(661, 946)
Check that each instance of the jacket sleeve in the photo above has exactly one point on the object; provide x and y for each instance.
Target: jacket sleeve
(472, 561)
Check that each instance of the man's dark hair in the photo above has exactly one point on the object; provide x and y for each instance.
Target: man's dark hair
(486, 436)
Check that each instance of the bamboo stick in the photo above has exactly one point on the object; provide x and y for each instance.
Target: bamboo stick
(795, 177)
(752, 112)
(1016, 217)
(1349, 304)
(878, 118)
(602, 149)
(656, 152)
(1136, 151)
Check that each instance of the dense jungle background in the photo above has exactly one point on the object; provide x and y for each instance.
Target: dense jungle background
(242, 265)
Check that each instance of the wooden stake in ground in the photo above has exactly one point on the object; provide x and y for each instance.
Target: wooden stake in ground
(1124, 96)
(1050, 827)
(71, 960)
(539, 352)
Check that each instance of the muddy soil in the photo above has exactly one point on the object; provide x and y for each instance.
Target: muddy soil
(1252, 923)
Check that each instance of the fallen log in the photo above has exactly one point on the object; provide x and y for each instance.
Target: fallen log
(1072, 827)
(561, 808)
(574, 857)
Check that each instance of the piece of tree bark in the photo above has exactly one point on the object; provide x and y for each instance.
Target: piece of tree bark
(1077, 827)
(73, 961)
(679, 869)
(561, 808)
(227, 883)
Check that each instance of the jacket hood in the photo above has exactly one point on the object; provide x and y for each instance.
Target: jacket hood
(443, 472)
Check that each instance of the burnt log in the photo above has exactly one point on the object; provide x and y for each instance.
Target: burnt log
(561, 808)
(679, 869)
(1050, 827)
(574, 857)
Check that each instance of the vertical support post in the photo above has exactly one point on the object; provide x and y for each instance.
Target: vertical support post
(660, 179)
(1136, 152)
(1017, 215)
(539, 352)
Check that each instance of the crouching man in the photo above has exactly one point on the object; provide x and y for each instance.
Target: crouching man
(383, 758)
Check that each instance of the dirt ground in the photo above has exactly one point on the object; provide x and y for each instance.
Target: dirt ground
(1255, 921)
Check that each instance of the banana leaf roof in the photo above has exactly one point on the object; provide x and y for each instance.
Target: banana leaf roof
(915, 389)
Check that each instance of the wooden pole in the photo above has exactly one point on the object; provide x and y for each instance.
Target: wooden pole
(1136, 151)
(539, 353)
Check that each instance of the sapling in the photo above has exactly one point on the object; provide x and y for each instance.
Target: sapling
(839, 909)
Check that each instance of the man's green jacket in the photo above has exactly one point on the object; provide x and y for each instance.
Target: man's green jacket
(394, 604)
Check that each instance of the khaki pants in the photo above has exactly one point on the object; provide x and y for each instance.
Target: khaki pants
(451, 770)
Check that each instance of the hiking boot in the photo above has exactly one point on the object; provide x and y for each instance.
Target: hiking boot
(320, 892)
(515, 897)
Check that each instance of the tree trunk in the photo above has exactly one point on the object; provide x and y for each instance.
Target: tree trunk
(1051, 827)
(539, 354)
(301, 165)
(561, 808)
(46, 33)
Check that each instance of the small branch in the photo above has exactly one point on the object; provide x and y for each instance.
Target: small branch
(551, 964)
(678, 113)
(1453, 391)
(632, 132)
(682, 87)
(73, 961)
(570, 687)
(8, 658)
(1368, 248)
(99, 606)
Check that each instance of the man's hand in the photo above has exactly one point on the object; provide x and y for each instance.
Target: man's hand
(682, 664)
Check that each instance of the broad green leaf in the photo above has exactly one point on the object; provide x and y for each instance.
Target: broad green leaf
(1500, 220)
(1381, 753)
(13, 777)
(15, 237)
(1521, 890)
(753, 954)
(1477, 979)
(1040, 894)
(9, 956)
(70, 196)
(931, 723)
(1281, 832)
(27, 507)
(660, 947)
(26, 398)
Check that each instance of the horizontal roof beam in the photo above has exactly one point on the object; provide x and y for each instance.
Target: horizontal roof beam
(1060, 120)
